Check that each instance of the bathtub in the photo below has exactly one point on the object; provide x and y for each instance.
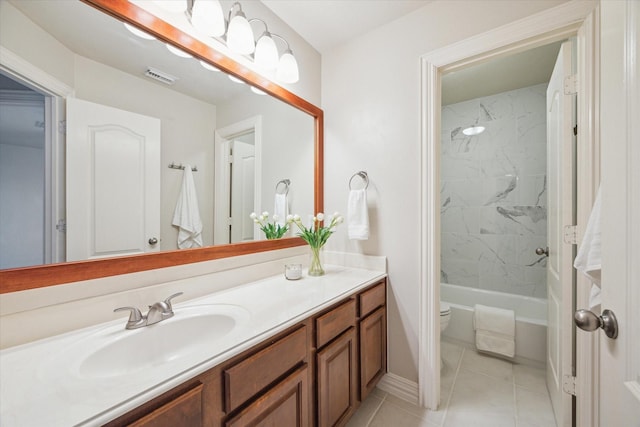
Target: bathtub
(531, 318)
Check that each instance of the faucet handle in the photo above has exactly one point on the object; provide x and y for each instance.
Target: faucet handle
(135, 317)
(168, 300)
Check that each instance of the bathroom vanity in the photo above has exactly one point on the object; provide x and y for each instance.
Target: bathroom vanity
(288, 353)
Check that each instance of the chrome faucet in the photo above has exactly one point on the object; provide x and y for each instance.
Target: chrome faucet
(157, 313)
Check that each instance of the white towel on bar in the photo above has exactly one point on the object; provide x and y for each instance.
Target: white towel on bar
(495, 330)
(187, 214)
(281, 208)
(358, 215)
(589, 258)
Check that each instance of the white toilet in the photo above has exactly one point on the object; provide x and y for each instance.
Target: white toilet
(445, 316)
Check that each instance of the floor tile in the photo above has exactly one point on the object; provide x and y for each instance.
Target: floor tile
(390, 415)
(488, 365)
(534, 379)
(473, 419)
(366, 411)
(435, 417)
(534, 409)
(481, 393)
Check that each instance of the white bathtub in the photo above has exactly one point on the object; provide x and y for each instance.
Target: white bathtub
(531, 318)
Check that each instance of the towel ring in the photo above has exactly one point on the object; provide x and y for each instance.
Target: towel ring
(363, 175)
(286, 183)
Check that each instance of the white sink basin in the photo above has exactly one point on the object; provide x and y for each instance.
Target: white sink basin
(120, 352)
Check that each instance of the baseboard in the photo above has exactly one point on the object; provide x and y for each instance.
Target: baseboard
(400, 387)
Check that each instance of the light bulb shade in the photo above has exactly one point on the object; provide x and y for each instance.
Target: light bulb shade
(208, 66)
(266, 55)
(138, 32)
(288, 68)
(173, 6)
(207, 17)
(178, 52)
(240, 35)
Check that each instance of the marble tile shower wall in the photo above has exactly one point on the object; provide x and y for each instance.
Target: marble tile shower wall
(494, 193)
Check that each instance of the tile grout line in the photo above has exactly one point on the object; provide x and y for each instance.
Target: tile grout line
(453, 387)
(373, 415)
(515, 399)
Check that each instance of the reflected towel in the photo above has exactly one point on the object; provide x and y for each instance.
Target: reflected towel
(358, 215)
(589, 258)
(495, 330)
(281, 208)
(187, 214)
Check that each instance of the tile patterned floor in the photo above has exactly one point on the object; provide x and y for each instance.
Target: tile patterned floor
(476, 391)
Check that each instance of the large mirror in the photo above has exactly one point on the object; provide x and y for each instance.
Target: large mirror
(202, 115)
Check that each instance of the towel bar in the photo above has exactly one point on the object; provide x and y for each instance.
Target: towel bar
(181, 167)
(361, 174)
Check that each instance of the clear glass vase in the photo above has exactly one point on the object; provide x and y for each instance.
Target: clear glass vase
(315, 263)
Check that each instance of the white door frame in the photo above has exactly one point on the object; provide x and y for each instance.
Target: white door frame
(551, 25)
(221, 184)
(55, 93)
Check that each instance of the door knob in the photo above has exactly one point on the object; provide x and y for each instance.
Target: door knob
(589, 321)
(542, 251)
(153, 241)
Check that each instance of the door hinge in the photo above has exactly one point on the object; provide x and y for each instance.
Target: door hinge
(570, 234)
(569, 384)
(61, 226)
(229, 221)
(231, 159)
(62, 127)
(571, 84)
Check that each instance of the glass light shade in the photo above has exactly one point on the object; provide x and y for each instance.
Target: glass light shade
(138, 32)
(240, 35)
(235, 79)
(288, 68)
(178, 52)
(473, 130)
(266, 55)
(257, 91)
(208, 66)
(173, 6)
(207, 17)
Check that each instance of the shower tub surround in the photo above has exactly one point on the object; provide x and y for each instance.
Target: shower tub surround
(493, 193)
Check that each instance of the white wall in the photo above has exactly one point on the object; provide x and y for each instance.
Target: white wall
(371, 98)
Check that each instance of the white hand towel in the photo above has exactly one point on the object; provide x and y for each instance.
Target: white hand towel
(495, 330)
(589, 258)
(281, 208)
(187, 214)
(358, 215)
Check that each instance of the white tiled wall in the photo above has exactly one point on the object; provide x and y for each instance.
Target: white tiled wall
(493, 192)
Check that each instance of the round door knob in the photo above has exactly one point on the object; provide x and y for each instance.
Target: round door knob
(542, 251)
(589, 321)
(153, 241)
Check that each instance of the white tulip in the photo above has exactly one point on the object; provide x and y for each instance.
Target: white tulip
(320, 216)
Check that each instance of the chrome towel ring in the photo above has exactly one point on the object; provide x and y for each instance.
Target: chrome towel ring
(283, 185)
(363, 175)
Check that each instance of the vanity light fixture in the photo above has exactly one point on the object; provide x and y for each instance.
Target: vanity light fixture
(178, 52)
(208, 66)
(138, 32)
(206, 16)
(473, 130)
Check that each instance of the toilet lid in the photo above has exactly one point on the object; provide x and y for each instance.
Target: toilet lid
(444, 308)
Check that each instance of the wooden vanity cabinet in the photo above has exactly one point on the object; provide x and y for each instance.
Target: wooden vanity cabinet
(315, 373)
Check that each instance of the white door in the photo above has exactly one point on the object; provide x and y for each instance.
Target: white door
(113, 182)
(242, 191)
(619, 394)
(560, 214)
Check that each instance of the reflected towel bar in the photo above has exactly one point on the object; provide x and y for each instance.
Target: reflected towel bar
(286, 183)
(181, 167)
(363, 175)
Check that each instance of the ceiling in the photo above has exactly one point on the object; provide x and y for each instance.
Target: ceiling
(328, 23)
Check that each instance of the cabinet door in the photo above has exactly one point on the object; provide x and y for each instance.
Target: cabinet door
(373, 350)
(337, 380)
(284, 405)
(185, 410)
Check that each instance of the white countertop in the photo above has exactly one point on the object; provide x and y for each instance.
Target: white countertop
(41, 383)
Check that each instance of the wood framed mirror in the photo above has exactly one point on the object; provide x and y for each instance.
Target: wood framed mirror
(17, 279)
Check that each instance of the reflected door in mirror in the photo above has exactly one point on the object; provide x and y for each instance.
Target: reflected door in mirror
(113, 181)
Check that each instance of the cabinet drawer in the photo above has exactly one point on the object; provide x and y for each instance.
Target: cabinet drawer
(245, 379)
(184, 410)
(372, 299)
(336, 321)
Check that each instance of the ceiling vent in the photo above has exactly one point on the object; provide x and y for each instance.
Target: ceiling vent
(161, 76)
